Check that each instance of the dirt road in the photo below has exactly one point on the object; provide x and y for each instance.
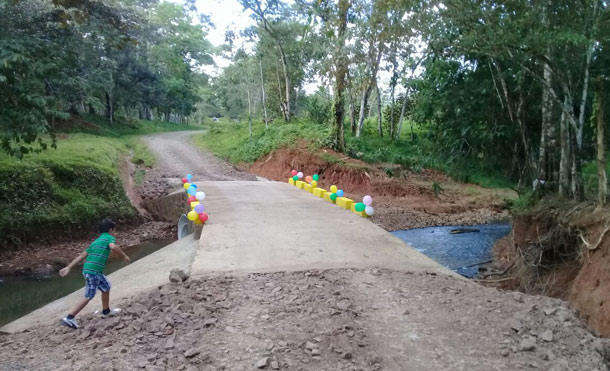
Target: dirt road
(177, 156)
(336, 319)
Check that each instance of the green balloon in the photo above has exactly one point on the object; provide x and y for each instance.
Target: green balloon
(333, 196)
(316, 177)
(360, 207)
(295, 178)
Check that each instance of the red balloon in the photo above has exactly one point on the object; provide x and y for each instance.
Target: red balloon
(184, 180)
(191, 199)
(203, 217)
(294, 172)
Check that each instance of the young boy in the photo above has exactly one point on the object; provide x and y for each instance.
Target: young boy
(95, 260)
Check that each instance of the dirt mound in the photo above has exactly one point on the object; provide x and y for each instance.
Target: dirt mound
(318, 320)
(546, 253)
(405, 200)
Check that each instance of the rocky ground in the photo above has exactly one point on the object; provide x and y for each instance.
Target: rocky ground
(319, 320)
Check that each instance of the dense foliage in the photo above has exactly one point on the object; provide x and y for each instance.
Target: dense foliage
(137, 58)
(512, 86)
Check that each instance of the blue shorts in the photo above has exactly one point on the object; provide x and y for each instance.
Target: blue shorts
(93, 282)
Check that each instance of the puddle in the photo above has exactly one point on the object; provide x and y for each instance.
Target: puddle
(460, 252)
(21, 295)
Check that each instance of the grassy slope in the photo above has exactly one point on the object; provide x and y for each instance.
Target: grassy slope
(231, 141)
(70, 188)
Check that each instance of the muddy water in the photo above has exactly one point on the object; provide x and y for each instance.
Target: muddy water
(21, 295)
(460, 252)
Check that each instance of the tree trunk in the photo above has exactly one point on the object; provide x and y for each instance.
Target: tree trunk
(91, 109)
(109, 108)
(564, 167)
(393, 83)
(279, 90)
(352, 108)
(368, 87)
(249, 109)
(546, 126)
(263, 91)
(379, 115)
(341, 71)
(602, 178)
(286, 82)
(402, 116)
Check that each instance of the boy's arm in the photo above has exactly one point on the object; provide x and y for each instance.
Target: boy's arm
(114, 247)
(63, 272)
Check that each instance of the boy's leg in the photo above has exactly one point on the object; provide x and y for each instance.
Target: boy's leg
(106, 300)
(80, 307)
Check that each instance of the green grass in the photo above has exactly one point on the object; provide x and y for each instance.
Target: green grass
(231, 141)
(69, 189)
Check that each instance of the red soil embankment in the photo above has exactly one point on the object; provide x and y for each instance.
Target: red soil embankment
(406, 200)
(546, 255)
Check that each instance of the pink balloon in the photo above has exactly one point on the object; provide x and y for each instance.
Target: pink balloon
(367, 200)
(203, 217)
(294, 172)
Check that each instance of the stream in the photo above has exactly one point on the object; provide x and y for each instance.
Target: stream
(464, 252)
(21, 295)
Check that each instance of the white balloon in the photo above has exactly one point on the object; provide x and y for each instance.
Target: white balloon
(200, 196)
(300, 175)
(369, 210)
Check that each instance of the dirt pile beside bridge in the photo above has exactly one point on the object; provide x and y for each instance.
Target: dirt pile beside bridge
(319, 320)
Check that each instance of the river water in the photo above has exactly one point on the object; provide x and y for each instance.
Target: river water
(21, 295)
(460, 252)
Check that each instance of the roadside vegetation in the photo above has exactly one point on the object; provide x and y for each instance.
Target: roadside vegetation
(62, 191)
(413, 151)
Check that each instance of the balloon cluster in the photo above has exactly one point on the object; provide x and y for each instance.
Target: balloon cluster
(336, 192)
(361, 207)
(312, 180)
(194, 200)
(365, 206)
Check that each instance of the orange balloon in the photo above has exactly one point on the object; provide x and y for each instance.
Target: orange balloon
(308, 179)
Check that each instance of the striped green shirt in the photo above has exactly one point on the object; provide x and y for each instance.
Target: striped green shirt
(97, 254)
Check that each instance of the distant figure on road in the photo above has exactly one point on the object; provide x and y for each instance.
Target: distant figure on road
(95, 257)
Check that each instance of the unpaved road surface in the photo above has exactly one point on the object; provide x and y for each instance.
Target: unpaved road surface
(319, 320)
(177, 156)
(336, 319)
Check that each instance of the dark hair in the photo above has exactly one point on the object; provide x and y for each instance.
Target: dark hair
(106, 225)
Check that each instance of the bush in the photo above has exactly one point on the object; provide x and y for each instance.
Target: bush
(61, 191)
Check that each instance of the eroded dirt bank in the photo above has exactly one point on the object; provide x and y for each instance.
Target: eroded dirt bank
(319, 320)
(404, 200)
(562, 250)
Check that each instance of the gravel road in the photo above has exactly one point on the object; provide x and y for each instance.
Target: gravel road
(342, 319)
(177, 156)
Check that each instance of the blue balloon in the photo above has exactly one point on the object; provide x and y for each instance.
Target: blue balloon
(192, 191)
(194, 185)
(340, 193)
(189, 177)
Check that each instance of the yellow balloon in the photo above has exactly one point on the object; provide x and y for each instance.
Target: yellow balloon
(198, 221)
(193, 204)
(333, 189)
(192, 215)
(187, 185)
(314, 184)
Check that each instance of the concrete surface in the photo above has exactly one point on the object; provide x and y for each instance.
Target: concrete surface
(148, 272)
(256, 227)
(273, 226)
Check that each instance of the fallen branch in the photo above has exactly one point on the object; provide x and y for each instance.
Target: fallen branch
(479, 263)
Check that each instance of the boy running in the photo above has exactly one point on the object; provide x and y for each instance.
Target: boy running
(95, 260)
